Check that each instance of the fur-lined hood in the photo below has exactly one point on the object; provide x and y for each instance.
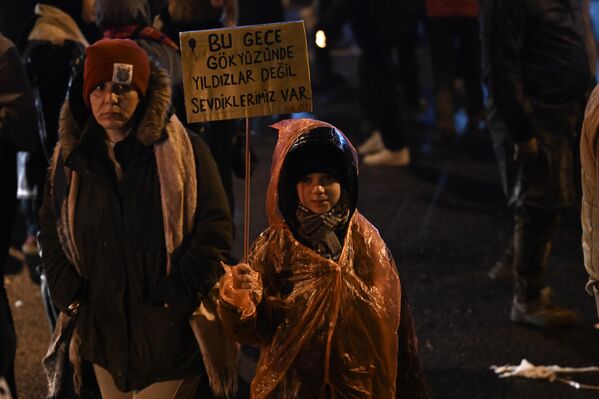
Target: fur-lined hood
(76, 119)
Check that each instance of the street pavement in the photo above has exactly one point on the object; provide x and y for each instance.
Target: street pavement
(445, 220)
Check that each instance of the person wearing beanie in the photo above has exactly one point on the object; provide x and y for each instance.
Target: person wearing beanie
(134, 225)
(320, 283)
(119, 61)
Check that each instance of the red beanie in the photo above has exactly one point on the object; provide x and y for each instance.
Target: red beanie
(115, 60)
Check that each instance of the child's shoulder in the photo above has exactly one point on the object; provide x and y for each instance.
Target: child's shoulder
(363, 226)
(364, 233)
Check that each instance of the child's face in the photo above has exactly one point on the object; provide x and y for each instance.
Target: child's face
(319, 192)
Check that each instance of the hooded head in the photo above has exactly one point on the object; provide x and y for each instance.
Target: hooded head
(315, 151)
(120, 13)
(307, 146)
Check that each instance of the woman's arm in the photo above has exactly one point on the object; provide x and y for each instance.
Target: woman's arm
(64, 281)
(196, 267)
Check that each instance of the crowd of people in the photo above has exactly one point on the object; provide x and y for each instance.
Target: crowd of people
(128, 207)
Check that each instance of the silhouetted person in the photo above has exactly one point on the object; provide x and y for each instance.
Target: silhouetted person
(376, 29)
(54, 32)
(538, 80)
(455, 53)
(17, 132)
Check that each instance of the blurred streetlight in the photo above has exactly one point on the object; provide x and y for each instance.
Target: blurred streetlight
(321, 39)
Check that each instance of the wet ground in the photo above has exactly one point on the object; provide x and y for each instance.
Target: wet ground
(445, 221)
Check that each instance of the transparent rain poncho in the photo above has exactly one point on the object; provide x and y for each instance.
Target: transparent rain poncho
(326, 329)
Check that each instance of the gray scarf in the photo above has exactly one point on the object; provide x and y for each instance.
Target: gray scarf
(319, 231)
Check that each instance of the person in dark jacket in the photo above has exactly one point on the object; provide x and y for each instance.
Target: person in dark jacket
(54, 33)
(377, 32)
(17, 132)
(134, 225)
(538, 80)
(455, 52)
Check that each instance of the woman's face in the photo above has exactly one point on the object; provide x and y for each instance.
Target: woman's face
(113, 104)
(319, 192)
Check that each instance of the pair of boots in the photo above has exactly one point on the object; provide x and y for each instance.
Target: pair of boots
(523, 265)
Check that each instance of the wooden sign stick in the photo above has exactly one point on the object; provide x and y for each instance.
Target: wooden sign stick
(246, 205)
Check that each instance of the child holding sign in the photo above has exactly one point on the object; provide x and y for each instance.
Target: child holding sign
(320, 296)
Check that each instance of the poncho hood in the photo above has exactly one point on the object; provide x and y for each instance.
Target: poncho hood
(300, 134)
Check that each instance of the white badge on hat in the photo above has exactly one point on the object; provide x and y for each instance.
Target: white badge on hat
(122, 73)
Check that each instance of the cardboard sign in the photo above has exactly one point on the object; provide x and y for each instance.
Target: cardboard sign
(245, 72)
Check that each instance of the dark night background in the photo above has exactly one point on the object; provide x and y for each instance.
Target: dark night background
(445, 220)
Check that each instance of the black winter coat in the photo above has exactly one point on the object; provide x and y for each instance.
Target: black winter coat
(49, 80)
(119, 236)
(533, 50)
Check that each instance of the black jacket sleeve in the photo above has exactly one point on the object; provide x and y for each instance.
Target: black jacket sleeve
(505, 22)
(196, 268)
(51, 79)
(64, 281)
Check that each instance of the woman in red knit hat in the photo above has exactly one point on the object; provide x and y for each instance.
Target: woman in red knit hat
(133, 228)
